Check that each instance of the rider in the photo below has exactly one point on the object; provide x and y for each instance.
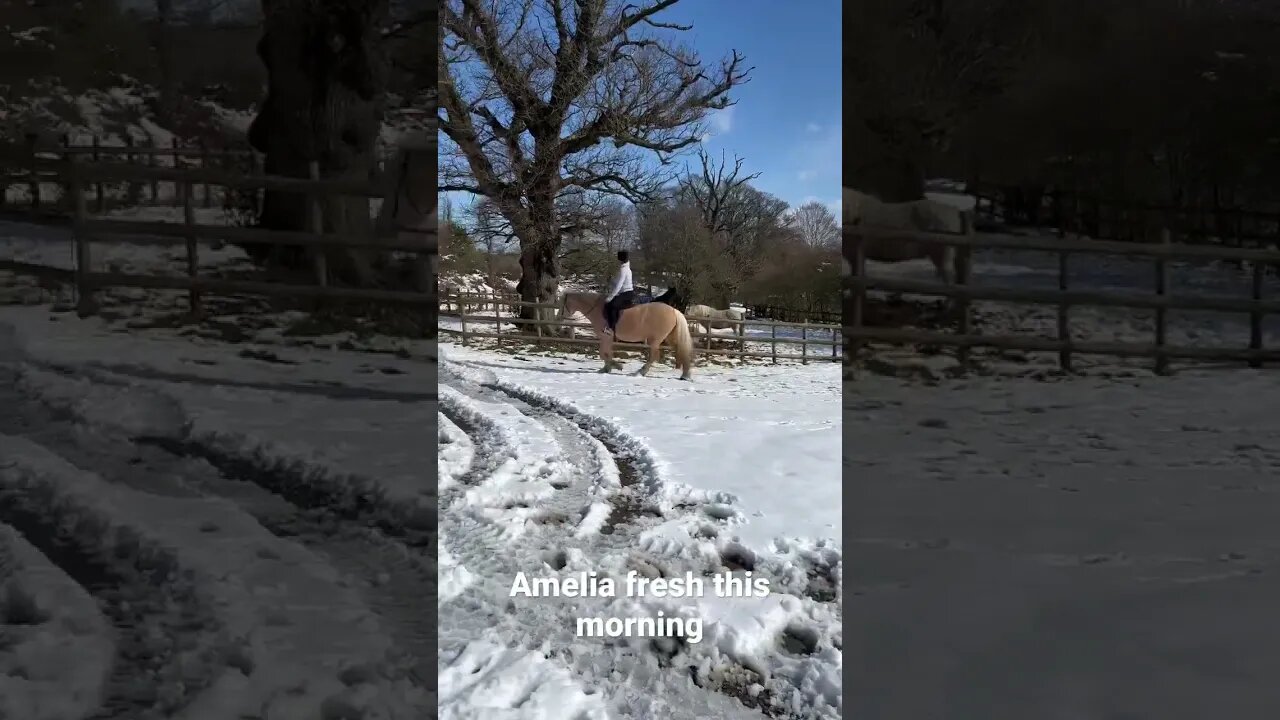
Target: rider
(621, 295)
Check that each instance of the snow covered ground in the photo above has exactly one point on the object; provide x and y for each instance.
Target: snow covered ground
(549, 468)
(208, 530)
(1083, 547)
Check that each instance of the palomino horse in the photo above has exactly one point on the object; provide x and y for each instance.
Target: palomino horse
(924, 215)
(649, 323)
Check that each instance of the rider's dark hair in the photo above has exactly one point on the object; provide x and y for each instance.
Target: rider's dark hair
(623, 256)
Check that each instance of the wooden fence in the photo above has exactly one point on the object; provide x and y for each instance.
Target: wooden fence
(28, 166)
(1230, 224)
(88, 230)
(707, 342)
(791, 314)
(1160, 300)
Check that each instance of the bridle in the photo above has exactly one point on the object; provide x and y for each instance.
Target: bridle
(564, 305)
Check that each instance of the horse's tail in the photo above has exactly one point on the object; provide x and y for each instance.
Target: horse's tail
(684, 344)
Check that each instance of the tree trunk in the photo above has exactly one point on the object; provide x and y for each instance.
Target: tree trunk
(326, 75)
(539, 243)
(539, 278)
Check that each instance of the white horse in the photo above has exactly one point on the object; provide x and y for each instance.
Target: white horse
(712, 318)
(924, 215)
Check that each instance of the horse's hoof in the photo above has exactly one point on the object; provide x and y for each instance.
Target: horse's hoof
(603, 370)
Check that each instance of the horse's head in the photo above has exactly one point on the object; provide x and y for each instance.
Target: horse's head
(570, 303)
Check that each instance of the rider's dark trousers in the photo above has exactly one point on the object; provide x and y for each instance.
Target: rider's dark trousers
(613, 309)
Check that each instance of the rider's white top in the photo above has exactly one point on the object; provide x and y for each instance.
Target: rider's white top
(622, 283)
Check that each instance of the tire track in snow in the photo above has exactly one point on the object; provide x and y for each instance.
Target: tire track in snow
(346, 497)
(396, 573)
(636, 468)
(396, 567)
(541, 622)
(150, 603)
(637, 463)
(579, 435)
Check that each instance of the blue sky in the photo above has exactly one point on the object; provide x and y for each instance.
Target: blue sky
(786, 123)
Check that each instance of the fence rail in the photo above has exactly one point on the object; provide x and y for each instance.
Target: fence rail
(706, 341)
(33, 165)
(89, 231)
(1205, 217)
(1159, 299)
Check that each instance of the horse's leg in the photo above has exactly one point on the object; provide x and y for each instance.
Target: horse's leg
(606, 353)
(653, 355)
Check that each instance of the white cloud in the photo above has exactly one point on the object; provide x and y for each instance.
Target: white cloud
(721, 121)
(804, 175)
(813, 127)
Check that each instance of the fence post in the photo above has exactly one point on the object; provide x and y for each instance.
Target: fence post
(319, 260)
(174, 146)
(155, 184)
(462, 315)
(497, 317)
(857, 300)
(804, 342)
(101, 197)
(964, 264)
(131, 187)
(193, 258)
(33, 180)
(85, 305)
(1256, 315)
(66, 151)
(1162, 290)
(773, 342)
(204, 165)
(1064, 314)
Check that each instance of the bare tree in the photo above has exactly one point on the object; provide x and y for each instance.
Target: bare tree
(677, 246)
(542, 98)
(715, 192)
(816, 225)
(714, 261)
